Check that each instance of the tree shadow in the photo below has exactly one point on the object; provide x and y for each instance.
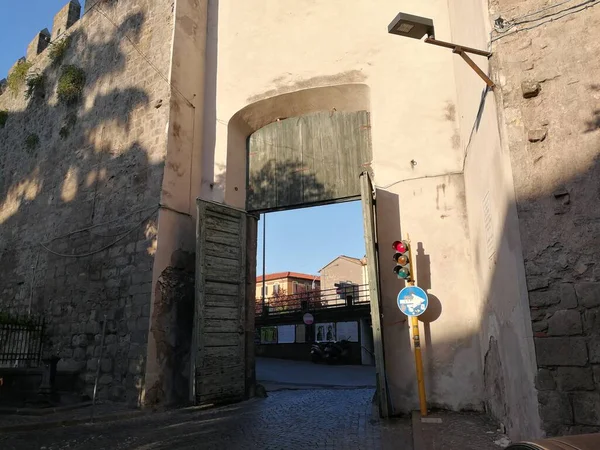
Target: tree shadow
(89, 192)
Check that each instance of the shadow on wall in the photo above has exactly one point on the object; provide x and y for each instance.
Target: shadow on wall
(88, 168)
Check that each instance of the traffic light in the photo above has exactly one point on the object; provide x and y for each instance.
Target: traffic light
(403, 268)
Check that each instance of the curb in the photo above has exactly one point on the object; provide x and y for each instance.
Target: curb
(42, 411)
(70, 422)
(417, 432)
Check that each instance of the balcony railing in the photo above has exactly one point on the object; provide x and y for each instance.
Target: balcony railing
(346, 296)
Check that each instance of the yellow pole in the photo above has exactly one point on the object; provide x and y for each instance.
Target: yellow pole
(414, 322)
(419, 364)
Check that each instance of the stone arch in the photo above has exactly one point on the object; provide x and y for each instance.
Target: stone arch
(343, 98)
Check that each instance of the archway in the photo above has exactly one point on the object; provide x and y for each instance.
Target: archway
(226, 253)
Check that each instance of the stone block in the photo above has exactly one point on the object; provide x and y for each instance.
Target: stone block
(65, 18)
(565, 323)
(537, 134)
(80, 340)
(596, 371)
(544, 380)
(38, 45)
(106, 365)
(530, 88)
(143, 324)
(575, 379)
(544, 298)
(538, 314)
(541, 325)
(117, 393)
(555, 408)
(561, 351)
(594, 350)
(535, 283)
(92, 364)
(105, 379)
(588, 294)
(591, 321)
(568, 296)
(586, 408)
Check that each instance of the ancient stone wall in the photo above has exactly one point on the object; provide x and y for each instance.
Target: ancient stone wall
(546, 65)
(80, 187)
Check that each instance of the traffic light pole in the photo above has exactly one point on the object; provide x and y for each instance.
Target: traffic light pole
(414, 323)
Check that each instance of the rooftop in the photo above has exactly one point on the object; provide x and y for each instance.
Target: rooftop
(280, 275)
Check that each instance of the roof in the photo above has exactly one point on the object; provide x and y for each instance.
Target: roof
(281, 275)
(349, 258)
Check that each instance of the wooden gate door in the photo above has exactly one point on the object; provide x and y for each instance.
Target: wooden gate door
(370, 226)
(219, 356)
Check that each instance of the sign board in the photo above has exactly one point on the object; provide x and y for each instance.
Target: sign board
(347, 330)
(308, 319)
(286, 334)
(325, 332)
(413, 301)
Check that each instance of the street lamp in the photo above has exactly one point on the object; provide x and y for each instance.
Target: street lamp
(416, 27)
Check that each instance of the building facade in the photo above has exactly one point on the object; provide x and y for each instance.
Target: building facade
(285, 283)
(496, 188)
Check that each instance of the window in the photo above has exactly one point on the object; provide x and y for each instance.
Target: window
(266, 289)
(275, 289)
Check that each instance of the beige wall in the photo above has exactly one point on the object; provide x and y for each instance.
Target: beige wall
(507, 353)
(267, 67)
(339, 270)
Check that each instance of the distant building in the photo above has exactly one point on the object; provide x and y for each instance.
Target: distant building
(286, 283)
(343, 269)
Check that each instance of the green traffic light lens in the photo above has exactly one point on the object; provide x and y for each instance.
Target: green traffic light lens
(402, 273)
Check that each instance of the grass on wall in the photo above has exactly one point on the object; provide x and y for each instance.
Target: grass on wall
(18, 76)
(3, 118)
(70, 84)
(36, 84)
(58, 50)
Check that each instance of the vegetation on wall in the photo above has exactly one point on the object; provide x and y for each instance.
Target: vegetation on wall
(16, 79)
(3, 118)
(58, 50)
(32, 141)
(70, 84)
(35, 85)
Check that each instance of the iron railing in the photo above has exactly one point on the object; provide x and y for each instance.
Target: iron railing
(346, 296)
(21, 338)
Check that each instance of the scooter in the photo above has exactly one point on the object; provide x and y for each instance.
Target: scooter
(317, 352)
(337, 352)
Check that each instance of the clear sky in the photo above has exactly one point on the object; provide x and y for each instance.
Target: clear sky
(302, 240)
(19, 22)
(305, 240)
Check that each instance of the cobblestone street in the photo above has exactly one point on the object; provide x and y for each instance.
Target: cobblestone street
(307, 419)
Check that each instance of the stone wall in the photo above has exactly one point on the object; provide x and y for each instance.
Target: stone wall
(547, 71)
(79, 201)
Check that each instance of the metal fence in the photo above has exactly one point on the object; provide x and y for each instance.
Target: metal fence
(21, 338)
(345, 296)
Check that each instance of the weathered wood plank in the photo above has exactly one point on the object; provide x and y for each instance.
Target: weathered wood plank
(221, 339)
(224, 224)
(220, 312)
(215, 288)
(314, 158)
(221, 325)
(224, 251)
(371, 249)
(219, 343)
(230, 301)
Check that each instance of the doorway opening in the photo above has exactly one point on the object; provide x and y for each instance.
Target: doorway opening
(312, 310)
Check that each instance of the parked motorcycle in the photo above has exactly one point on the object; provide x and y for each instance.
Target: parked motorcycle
(317, 352)
(337, 352)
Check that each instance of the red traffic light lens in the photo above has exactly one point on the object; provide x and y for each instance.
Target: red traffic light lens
(399, 246)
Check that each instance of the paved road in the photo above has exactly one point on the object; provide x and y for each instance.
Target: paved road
(286, 420)
(273, 373)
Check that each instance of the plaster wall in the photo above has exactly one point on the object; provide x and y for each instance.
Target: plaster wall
(277, 60)
(339, 270)
(505, 334)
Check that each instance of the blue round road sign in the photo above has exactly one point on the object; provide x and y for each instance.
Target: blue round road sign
(413, 301)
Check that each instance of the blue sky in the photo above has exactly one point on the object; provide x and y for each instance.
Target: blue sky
(19, 22)
(319, 234)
